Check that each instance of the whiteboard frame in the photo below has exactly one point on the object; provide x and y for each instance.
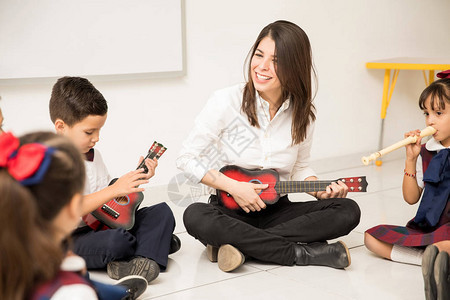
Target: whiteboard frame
(174, 69)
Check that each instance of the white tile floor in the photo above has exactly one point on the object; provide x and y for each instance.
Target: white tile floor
(190, 275)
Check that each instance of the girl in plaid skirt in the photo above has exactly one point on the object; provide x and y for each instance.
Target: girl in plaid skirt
(426, 176)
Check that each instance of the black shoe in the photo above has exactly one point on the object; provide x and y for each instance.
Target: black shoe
(141, 266)
(334, 255)
(175, 244)
(442, 276)
(428, 258)
(135, 285)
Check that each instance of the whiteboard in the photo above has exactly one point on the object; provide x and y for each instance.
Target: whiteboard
(53, 38)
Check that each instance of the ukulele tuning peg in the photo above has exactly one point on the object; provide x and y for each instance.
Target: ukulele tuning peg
(352, 188)
(351, 180)
(343, 180)
(359, 188)
(359, 179)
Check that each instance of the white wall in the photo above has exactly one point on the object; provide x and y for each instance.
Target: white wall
(344, 34)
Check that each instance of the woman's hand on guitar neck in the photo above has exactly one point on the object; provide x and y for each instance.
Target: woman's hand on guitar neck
(334, 190)
(246, 195)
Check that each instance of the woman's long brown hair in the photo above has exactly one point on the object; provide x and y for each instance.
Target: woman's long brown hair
(29, 255)
(294, 69)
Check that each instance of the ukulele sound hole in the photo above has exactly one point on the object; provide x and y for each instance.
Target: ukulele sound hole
(124, 200)
(257, 181)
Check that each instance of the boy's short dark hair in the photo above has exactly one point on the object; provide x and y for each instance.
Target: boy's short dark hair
(75, 98)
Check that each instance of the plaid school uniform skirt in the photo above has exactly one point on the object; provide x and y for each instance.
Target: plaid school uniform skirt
(407, 236)
(412, 235)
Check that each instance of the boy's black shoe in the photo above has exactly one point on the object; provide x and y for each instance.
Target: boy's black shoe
(175, 244)
(141, 266)
(135, 285)
(442, 276)
(428, 258)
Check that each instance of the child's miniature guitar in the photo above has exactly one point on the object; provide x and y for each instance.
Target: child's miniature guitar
(120, 212)
(271, 194)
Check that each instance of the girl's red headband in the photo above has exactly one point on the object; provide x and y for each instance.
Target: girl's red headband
(444, 74)
(28, 163)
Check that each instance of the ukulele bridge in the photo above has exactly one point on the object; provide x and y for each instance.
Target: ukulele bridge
(110, 211)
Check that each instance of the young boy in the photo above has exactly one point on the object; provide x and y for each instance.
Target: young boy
(78, 111)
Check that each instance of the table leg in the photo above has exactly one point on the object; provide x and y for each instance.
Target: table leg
(384, 101)
(431, 77)
(388, 89)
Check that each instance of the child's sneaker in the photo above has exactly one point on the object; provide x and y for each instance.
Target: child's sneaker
(442, 276)
(175, 244)
(141, 266)
(135, 285)
(428, 258)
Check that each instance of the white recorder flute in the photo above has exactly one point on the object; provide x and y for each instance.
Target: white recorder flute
(409, 140)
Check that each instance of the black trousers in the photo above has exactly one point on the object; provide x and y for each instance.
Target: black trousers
(270, 235)
(150, 237)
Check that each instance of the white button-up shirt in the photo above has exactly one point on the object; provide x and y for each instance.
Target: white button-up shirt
(222, 135)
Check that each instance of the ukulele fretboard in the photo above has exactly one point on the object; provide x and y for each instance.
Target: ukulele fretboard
(285, 187)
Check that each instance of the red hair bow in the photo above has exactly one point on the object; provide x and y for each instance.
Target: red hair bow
(27, 163)
(443, 74)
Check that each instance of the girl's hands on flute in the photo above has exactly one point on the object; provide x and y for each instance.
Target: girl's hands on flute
(413, 149)
(410, 188)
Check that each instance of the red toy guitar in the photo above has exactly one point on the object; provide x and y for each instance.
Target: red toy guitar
(120, 212)
(271, 194)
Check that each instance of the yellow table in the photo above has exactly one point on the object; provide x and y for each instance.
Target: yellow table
(404, 63)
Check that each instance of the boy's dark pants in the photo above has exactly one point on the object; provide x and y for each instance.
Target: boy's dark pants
(150, 237)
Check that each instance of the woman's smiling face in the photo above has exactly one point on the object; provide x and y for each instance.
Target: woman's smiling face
(263, 70)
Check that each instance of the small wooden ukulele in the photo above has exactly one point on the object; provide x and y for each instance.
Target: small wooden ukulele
(120, 212)
(271, 194)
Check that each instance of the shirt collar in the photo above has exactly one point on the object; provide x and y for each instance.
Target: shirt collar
(433, 145)
(283, 106)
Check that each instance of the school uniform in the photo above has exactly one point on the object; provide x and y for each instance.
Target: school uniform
(432, 221)
(150, 236)
(66, 286)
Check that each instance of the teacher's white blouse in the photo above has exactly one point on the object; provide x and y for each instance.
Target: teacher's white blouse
(222, 135)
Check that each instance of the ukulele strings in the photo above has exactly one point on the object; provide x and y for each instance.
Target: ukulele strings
(151, 154)
(120, 199)
(293, 186)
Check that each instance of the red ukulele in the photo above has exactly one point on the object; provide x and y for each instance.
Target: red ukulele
(120, 212)
(271, 194)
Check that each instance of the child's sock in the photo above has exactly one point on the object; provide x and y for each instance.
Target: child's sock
(407, 255)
